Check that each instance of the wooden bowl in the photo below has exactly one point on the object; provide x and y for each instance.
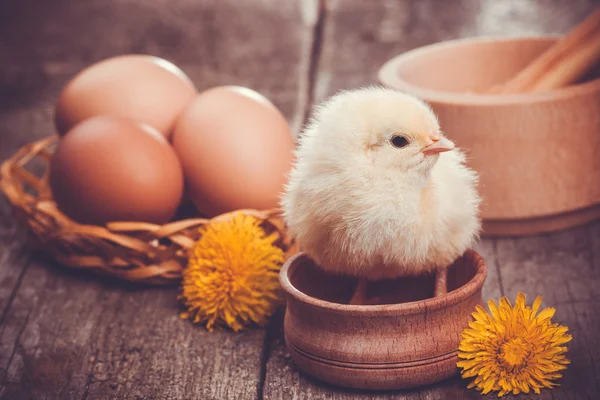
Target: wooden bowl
(537, 154)
(409, 342)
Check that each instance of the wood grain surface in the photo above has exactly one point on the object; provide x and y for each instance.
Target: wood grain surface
(357, 37)
(72, 336)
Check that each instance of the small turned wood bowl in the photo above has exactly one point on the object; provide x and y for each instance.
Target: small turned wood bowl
(410, 340)
(537, 154)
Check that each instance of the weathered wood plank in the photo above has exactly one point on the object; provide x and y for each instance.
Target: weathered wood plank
(564, 269)
(14, 260)
(358, 36)
(594, 231)
(12, 252)
(215, 42)
(68, 335)
(15, 255)
(493, 286)
(77, 337)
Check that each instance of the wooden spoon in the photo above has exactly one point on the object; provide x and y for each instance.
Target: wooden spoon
(562, 64)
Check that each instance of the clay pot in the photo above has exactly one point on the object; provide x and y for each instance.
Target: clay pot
(410, 341)
(536, 153)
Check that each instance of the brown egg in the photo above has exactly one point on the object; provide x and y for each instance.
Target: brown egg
(235, 148)
(141, 87)
(111, 168)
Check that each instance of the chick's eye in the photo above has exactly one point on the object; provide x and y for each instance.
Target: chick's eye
(399, 141)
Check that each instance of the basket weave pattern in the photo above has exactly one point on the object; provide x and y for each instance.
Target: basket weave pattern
(134, 251)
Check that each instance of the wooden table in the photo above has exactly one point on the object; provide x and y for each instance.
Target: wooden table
(67, 335)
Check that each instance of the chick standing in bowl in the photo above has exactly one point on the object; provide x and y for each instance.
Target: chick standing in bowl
(377, 192)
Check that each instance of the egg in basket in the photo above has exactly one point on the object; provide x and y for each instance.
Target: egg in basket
(141, 161)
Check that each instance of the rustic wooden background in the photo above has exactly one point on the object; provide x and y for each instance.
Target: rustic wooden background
(66, 335)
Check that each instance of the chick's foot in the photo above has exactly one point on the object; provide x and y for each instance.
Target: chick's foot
(441, 282)
(361, 295)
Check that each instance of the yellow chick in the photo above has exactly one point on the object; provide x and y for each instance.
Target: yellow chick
(378, 192)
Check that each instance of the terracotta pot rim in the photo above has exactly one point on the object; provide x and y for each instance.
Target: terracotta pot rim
(389, 77)
(454, 297)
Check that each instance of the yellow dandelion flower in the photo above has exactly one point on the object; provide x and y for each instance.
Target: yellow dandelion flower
(514, 349)
(232, 277)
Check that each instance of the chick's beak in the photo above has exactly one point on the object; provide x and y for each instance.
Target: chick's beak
(439, 145)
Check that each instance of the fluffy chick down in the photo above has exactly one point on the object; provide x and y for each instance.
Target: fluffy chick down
(359, 206)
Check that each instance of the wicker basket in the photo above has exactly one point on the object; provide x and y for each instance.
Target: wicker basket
(133, 251)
